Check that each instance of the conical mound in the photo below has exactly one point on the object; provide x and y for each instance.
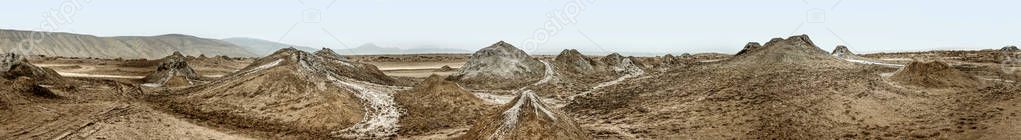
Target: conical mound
(795, 50)
(526, 117)
(934, 74)
(23, 90)
(500, 62)
(296, 92)
(571, 60)
(751, 46)
(438, 104)
(173, 71)
(329, 53)
(1010, 49)
(13, 66)
(623, 65)
(841, 52)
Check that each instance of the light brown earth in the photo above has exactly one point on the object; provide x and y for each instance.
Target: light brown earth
(701, 96)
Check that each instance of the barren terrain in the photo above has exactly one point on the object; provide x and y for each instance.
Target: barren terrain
(787, 88)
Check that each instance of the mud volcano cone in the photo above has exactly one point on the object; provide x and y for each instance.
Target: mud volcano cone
(841, 51)
(622, 65)
(329, 53)
(573, 61)
(298, 93)
(173, 71)
(934, 74)
(793, 51)
(438, 104)
(1010, 49)
(526, 117)
(751, 46)
(13, 66)
(499, 66)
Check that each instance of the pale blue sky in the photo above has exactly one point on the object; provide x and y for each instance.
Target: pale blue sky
(672, 26)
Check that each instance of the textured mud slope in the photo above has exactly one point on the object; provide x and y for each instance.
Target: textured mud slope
(292, 91)
(499, 66)
(934, 74)
(149, 47)
(437, 104)
(788, 89)
(526, 117)
(173, 71)
(13, 66)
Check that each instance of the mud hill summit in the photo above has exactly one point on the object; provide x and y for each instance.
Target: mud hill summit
(572, 61)
(20, 82)
(13, 66)
(527, 117)
(499, 66)
(173, 71)
(623, 65)
(438, 104)
(751, 46)
(841, 52)
(329, 53)
(1010, 49)
(934, 74)
(296, 92)
(794, 50)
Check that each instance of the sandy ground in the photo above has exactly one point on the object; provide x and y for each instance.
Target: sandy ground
(124, 118)
(84, 69)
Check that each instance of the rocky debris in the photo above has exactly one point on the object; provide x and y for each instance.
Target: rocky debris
(751, 46)
(934, 74)
(499, 66)
(795, 50)
(173, 71)
(329, 53)
(1010, 49)
(574, 62)
(445, 68)
(296, 92)
(438, 104)
(841, 52)
(526, 117)
(13, 66)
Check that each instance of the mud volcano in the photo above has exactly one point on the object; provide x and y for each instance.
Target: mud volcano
(842, 52)
(572, 61)
(793, 51)
(527, 117)
(934, 74)
(173, 71)
(1010, 49)
(438, 104)
(13, 66)
(499, 66)
(295, 92)
(329, 53)
(751, 46)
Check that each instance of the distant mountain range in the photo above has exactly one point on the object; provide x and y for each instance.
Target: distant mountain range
(80, 45)
(265, 47)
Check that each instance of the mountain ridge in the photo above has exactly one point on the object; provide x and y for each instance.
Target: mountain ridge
(84, 45)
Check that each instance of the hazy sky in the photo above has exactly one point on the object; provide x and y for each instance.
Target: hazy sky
(601, 25)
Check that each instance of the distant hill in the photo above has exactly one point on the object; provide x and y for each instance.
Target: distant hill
(264, 47)
(371, 48)
(149, 47)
